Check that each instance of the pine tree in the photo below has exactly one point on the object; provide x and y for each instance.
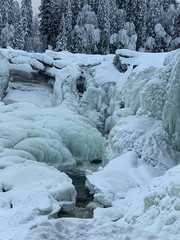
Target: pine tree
(18, 38)
(7, 12)
(126, 37)
(176, 41)
(154, 15)
(78, 39)
(46, 16)
(79, 4)
(94, 5)
(120, 20)
(61, 43)
(7, 33)
(36, 43)
(58, 9)
(69, 23)
(140, 23)
(27, 19)
(104, 25)
(169, 19)
(162, 40)
(86, 33)
(167, 3)
(0, 29)
(113, 13)
(50, 15)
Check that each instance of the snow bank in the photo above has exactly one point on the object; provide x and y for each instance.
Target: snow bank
(30, 192)
(135, 195)
(88, 230)
(118, 177)
(156, 208)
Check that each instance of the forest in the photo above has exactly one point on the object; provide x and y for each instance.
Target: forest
(91, 26)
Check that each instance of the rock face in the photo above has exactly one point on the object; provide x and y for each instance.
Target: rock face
(4, 77)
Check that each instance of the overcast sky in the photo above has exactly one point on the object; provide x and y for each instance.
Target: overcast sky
(35, 4)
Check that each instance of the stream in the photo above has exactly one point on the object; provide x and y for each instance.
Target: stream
(38, 90)
(83, 196)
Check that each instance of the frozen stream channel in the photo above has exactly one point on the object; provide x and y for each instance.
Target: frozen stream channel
(39, 92)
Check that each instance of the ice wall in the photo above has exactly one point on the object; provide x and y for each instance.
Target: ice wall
(171, 110)
(152, 94)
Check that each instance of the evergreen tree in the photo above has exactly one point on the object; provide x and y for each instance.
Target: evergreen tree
(7, 12)
(167, 3)
(120, 20)
(18, 38)
(36, 43)
(154, 15)
(86, 33)
(169, 19)
(62, 37)
(46, 16)
(0, 29)
(94, 5)
(7, 33)
(27, 19)
(69, 23)
(78, 39)
(125, 38)
(162, 40)
(104, 25)
(113, 16)
(78, 5)
(50, 15)
(176, 41)
(140, 23)
(87, 16)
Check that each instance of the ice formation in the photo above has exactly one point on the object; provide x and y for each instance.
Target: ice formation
(137, 111)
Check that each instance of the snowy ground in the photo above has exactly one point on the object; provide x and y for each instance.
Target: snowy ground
(59, 128)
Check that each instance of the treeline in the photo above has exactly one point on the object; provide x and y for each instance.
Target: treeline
(91, 26)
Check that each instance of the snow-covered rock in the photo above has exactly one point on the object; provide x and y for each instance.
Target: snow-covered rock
(4, 76)
(143, 135)
(155, 208)
(30, 192)
(118, 177)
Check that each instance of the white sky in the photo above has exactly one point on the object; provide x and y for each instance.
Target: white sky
(35, 4)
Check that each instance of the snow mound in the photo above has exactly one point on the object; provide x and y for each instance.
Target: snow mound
(88, 230)
(55, 135)
(118, 177)
(155, 208)
(143, 135)
(30, 192)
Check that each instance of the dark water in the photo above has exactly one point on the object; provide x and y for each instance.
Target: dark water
(83, 196)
